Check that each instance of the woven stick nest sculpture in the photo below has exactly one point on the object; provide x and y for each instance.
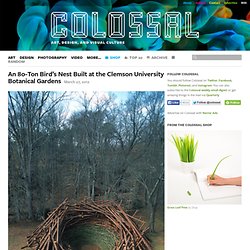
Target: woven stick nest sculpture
(129, 231)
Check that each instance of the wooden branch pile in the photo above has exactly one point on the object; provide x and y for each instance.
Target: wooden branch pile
(129, 230)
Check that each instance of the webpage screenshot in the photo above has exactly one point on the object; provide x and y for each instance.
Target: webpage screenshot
(125, 125)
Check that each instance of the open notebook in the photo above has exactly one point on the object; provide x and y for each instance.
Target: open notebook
(214, 192)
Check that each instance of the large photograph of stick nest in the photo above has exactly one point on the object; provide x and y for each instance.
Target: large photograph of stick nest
(121, 230)
(99, 146)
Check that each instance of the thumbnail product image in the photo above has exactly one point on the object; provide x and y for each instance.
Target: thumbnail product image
(204, 167)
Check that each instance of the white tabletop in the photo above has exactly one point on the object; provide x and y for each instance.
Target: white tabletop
(183, 189)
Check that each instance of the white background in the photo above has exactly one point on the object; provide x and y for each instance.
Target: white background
(203, 227)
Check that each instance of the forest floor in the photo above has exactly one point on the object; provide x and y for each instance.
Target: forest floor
(157, 238)
(19, 231)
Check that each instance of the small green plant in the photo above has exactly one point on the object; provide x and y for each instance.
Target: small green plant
(186, 147)
(213, 174)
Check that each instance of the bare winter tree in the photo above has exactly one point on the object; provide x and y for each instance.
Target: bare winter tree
(151, 171)
(130, 123)
(90, 132)
(27, 111)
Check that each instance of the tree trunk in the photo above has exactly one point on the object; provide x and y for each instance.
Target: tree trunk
(16, 206)
(93, 190)
(28, 157)
(52, 196)
(145, 197)
(93, 183)
(29, 201)
(77, 181)
(89, 184)
(152, 209)
(153, 202)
